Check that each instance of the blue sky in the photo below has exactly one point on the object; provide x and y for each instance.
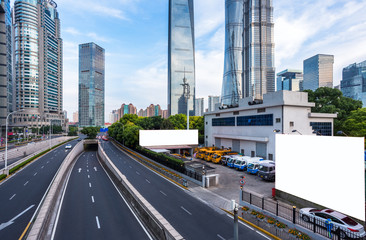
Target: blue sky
(134, 34)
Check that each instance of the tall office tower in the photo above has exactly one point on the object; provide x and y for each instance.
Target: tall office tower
(91, 85)
(318, 72)
(199, 106)
(353, 82)
(75, 116)
(113, 116)
(289, 80)
(37, 63)
(249, 51)
(212, 101)
(181, 57)
(6, 79)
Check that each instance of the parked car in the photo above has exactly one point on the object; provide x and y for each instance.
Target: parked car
(343, 225)
(225, 158)
(267, 171)
(68, 146)
(241, 163)
(253, 167)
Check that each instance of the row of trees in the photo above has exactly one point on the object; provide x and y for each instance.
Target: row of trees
(351, 118)
(126, 130)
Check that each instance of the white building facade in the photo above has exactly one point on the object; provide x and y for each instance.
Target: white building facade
(251, 127)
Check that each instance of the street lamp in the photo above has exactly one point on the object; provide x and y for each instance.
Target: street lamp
(6, 140)
(296, 131)
(342, 133)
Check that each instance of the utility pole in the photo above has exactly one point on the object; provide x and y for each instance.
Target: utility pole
(186, 94)
(236, 228)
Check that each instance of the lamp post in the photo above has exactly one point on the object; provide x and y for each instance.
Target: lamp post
(6, 141)
(187, 94)
(296, 131)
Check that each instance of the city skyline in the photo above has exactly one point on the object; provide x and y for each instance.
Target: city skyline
(133, 62)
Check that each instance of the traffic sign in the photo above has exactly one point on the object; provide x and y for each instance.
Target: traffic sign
(242, 181)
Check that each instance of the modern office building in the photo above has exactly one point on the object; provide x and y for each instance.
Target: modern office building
(290, 80)
(251, 129)
(212, 101)
(6, 79)
(91, 85)
(249, 51)
(200, 103)
(37, 63)
(318, 72)
(75, 116)
(181, 57)
(113, 116)
(353, 82)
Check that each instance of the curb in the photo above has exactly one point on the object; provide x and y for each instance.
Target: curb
(253, 225)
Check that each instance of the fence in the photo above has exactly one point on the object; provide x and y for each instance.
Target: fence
(293, 215)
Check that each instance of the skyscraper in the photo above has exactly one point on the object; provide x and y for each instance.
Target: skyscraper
(290, 80)
(6, 80)
(91, 85)
(38, 63)
(181, 57)
(318, 72)
(199, 106)
(212, 101)
(249, 50)
(353, 82)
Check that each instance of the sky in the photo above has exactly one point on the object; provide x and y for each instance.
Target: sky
(134, 34)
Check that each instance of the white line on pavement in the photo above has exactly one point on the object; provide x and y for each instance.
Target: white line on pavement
(130, 167)
(262, 235)
(221, 237)
(163, 193)
(185, 210)
(89, 184)
(87, 170)
(98, 225)
(48, 161)
(35, 174)
(42, 167)
(147, 181)
(26, 183)
(88, 176)
(137, 173)
(241, 222)
(12, 197)
(93, 199)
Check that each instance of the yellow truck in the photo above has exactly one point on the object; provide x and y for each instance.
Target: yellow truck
(201, 152)
(216, 158)
(209, 154)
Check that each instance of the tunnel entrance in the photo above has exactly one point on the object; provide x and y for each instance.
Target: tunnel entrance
(90, 145)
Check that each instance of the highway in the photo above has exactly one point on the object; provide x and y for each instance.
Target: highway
(192, 218)
(92, 208)
(21, 194)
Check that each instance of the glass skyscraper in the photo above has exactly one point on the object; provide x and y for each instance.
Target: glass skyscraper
(249, 50)
(318, 72)
(289, 80)
(353, 84)
(91, 85)
(181, 57)
(199, 106)
(38, 63)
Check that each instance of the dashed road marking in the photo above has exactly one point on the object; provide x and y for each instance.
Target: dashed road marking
(26, 183)
(147, 181)
(92, 197)
(34, 174)
(90, 185)
(97, 219)
(137, 173)
(185, 210)
(163, 193)
(222, 238)
(12, 197)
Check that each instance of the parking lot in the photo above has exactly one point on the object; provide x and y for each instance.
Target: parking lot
(229, 185)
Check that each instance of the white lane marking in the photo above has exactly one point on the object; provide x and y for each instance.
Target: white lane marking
(92, 199)
(98, 225)
(88, 176)
(11, 221)
(48, 161)
(95, 168)
(262, 235)
(12, 197)
(87, 170)
(241, 222)
(42, 167)
(137, 173)
(130, 167)
(221, 237)
(89, 184)
(35, 174)
(185, 210)
(26, 183)
(79, 170)
(147, 181)
(163, 193)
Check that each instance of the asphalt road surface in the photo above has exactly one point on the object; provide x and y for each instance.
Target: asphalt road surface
(21, 194)
(92, 208)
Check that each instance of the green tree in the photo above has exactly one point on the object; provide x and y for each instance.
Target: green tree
(329, 100)
(355, 124)
(131, 135)
(129, 118)
(91, 132)
(166, 124)
(73, 131)
(179, 121)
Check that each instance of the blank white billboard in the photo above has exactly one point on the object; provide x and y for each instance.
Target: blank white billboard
(325, 170)
(151, 138)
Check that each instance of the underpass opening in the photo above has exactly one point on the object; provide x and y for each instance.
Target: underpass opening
(90, 145)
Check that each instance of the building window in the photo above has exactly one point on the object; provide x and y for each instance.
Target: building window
(256, 120)
(322, 128)
(261, 110)
(292, 124)
(236, 113)
(270, 156)
(278, 120)
(252, 154)
(223, 121)
(217, 114)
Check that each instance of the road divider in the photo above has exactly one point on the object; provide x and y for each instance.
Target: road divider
(151, 218)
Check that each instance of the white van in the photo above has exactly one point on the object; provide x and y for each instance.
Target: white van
(253, 167)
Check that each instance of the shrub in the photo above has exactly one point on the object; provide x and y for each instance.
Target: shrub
(271, 220)
(280, 224)
(260, 216)
(254, 213)
(245, 208)
(2, 176)
(299, 234)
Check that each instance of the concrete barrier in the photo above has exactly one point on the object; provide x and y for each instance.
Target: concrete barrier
(151, 218)
(43, 219)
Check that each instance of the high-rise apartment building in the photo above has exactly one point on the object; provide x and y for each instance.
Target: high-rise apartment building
(75, 116)
(249, 51)
(113, 116)
(37, 63)
(126, 109)
(212, 101)
(6, 79)
(353, 82)
(318, 72)
(199, 106)
(290, 80)
(91, 85)
(181, 57)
